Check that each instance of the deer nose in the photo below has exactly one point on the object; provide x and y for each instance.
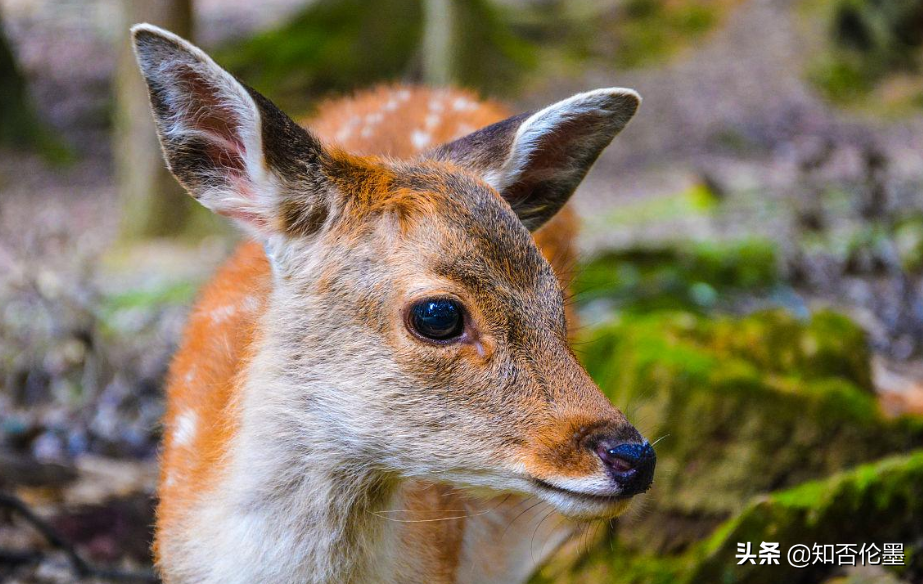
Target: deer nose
(630, 464)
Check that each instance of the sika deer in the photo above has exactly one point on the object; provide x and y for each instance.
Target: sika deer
(379, 386)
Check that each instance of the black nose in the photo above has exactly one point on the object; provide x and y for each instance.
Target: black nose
(631, 465)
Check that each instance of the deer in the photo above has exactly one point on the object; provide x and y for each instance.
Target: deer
(378, 385)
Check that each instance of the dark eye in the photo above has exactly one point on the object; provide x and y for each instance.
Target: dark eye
(438, 319)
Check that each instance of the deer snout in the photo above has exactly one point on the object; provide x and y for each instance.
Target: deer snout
(630, 464)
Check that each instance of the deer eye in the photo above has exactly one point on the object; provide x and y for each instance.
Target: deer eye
(437, 319)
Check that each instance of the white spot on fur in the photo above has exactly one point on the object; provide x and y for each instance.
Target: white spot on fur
(190, 375)
(390, 105)
(463, 104)
(223, 313)
(420, 139)
(250, 303)
(374, 118)
(432, 120)
(347, 129)
(436, 105)
(185, 430)
(402, 95)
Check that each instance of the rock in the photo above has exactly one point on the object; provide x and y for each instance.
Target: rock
(876, 503)
(738, 408)
(873, 504)
(692, 277)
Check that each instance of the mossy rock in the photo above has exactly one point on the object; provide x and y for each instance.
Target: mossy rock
(873, 504)
(876, 503)
(865, 575)
(695, 276)
(740, 407)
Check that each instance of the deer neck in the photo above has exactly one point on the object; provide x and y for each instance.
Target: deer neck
(312, 498)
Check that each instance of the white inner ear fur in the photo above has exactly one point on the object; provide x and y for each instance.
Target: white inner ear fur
(247, 197)
(529, 135)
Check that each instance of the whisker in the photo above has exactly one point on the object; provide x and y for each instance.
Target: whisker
(535, 532)
(655, 442)
(382, 514)
(510, 524)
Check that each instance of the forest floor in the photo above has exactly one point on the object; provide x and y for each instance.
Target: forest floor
(733, 115)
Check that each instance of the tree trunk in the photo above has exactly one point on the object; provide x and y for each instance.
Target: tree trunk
(153, 203)
(438, 42)
(18, 123)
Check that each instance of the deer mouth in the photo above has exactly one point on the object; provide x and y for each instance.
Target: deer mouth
(582, 505)
(589, 497)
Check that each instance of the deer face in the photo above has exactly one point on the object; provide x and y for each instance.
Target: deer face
(414, 326)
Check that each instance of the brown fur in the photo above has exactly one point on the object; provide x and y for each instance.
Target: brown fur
(314, 432)
(203, 376)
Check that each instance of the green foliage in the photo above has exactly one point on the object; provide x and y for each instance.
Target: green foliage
(331, 46)
(489, 55)
(841, 78)
(633, 33)
(651, 30)
(908, 238)
(117, 309)
(869, 42)
(20, 126)
(343, 45)
(694, 276)
(698, 201)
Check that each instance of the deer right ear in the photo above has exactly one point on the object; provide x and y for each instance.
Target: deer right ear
(229, 146)
(535, 161)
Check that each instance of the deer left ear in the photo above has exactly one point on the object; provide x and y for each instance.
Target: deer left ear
(232, 149)
(536, 161)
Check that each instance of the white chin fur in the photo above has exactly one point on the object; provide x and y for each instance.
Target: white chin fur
(585, 509)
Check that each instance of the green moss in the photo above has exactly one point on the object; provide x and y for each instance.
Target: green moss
(827, 345)
(610, 562)
(741, 407)
(695, 276)
(876, 503)
(751, 414)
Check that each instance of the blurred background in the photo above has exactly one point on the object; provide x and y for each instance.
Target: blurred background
(749, 287)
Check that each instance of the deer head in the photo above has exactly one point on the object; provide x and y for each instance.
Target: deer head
(414, 330)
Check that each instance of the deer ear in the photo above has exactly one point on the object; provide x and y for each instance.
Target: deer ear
(229, 146)
(537, 160)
